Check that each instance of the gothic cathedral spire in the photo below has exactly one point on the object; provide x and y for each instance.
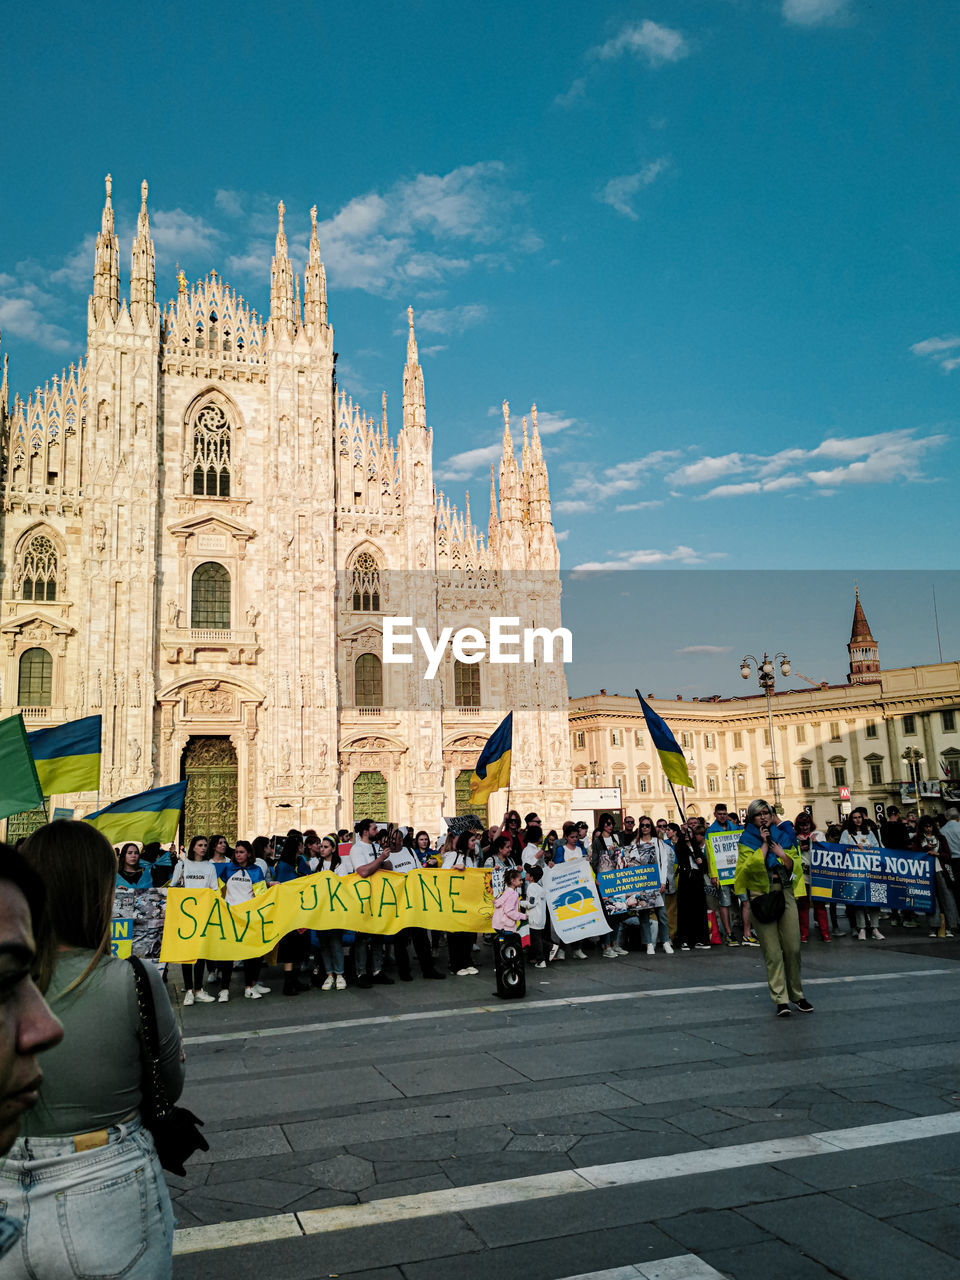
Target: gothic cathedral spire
(414, 398)
(863, 649)
(106, 269)
(281, 283)
(143, 273)
(314, 283)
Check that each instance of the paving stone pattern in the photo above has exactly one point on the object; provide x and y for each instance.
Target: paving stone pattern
(363, 1112)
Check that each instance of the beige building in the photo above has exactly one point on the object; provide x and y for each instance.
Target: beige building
(200, 537)
(824, 738)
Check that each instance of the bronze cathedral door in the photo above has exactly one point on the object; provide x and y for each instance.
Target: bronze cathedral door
(210, 808)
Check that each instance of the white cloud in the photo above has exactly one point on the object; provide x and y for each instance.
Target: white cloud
(645, 558)
(576, 91)
(619, 192)
(647, 40)
(563, 535)
(22, 314)
(574, 506)
(640, 506)
(550, 424)
(461, 466)
(230, 202)
(707, 650)
(898, 459)
(76, 270)
(815, 13)
(707, 469)
(450, 319)
(177, 232)
(939, 349)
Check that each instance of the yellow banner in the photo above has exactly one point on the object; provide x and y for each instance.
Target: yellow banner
(200, 926)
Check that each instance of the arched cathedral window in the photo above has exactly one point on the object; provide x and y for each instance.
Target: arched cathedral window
(211, 453)
(366, 584)
(210, 597)
(35, 682)
(38, 569)
(368, 680)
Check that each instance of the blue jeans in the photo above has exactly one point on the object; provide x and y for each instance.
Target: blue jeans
(330, 946)
(89, 1214)
(368, 953)
(654, 927)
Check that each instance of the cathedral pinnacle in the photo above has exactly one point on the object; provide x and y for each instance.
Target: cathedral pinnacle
(106, 268)
(143, 275)
(281, 283)
(314, 283)
(414, 396)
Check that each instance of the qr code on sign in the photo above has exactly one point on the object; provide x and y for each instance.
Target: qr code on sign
(878, 892)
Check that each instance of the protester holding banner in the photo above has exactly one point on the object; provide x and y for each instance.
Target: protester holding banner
(327, 944)
(292, 950)
(131, 873)
(195, 872)
(857, 831)
(460, 945)
(803, 826)
(647, 850)
(691, 892)
(931, 842)
(366, 859)
(242, 879)
(770, 873)
(85, 1143)
(218, 850)
(606, 855)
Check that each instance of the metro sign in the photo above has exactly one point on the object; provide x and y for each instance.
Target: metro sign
(844, 793)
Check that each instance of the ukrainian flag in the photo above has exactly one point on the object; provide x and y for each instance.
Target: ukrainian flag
(493, 768)
(68, 757)
(151, 815)
(668, 749)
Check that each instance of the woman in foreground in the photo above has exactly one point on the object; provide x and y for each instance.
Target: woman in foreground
(84, 1176)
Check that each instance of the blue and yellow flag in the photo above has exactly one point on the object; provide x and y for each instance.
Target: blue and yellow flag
(151, 815)
(68, 757)
(492, 770)
(19, 785)
(668, 749)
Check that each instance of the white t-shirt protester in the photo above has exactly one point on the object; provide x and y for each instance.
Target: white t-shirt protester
(360, 855)
(195, 875)
(532, 855)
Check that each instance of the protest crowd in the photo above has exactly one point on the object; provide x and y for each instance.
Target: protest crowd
(692, 909)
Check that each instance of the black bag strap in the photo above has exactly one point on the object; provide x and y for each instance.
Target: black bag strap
(155, 1103)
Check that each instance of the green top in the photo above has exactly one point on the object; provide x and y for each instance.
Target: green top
(91, 1079)
(752, 876)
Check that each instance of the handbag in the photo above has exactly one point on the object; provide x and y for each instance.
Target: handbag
(768, 907)
(173, 1129)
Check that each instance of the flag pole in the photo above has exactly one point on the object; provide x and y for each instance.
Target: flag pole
(683, 812)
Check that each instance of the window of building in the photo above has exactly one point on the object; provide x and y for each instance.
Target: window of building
(643, 785)
(876, 774)
(579, 739)
(211, 453)
(713, 783)
(38, 570)
(871, 729)
(638, 737)
(466, 684)
(805, 781)
(36, 678)
(801, 733)
(909, 726)
(834, 730)
(366, 584)
(951, 765)
(616, 737)
(686, 739)
(766, 737)
(949, 721)
(618, 780)
(368, 678)
(737, 740)
(210, 597)
(839, 775)
(709, 741)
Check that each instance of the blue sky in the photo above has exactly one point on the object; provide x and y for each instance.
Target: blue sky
(714, 240)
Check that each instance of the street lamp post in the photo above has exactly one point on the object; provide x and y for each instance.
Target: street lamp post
(914, 758)
(735, 776)
(766, 680)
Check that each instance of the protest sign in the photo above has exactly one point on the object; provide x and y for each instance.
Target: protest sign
(722, 854)
(200, 925)
(573, 901)
(137, 923)
(619, 887)
(871, 877)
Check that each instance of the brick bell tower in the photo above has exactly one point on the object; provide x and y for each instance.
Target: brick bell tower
(863, 649)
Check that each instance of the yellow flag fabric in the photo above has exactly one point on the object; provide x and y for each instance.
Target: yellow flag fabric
(199, 925)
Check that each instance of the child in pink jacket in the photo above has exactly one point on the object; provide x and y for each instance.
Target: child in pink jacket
(506, 907)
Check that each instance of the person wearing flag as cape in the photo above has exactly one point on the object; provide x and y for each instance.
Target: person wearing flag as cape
(769, 871)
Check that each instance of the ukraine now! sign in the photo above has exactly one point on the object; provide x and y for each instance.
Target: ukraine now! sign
(871, 877)
(199, 924)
